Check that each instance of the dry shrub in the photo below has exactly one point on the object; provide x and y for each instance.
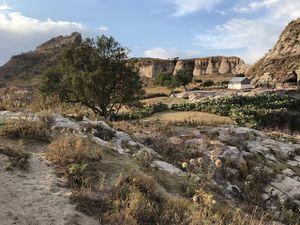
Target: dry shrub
(18, 157)
(145, 184)
(176, 210)
(141, 208)
(26, 129)
(137, 208)
(42, 103)
(90, 203)
(70, 149)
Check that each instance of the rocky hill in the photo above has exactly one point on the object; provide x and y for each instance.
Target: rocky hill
(281, 65)
(27, 65)
(150, 67)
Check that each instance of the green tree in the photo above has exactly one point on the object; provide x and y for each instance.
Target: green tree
(182, 78)
(96, 74)
(163, 79)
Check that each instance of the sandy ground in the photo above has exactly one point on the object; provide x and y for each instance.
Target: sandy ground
(36, 197)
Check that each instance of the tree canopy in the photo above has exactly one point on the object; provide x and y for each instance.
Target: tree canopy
(96, 74)
(180, 78)
(163, 79)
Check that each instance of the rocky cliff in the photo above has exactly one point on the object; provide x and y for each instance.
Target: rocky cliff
(199, 66)
(30, 64)
(281, 65)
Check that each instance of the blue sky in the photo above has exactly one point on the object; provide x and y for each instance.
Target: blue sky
(156, 28)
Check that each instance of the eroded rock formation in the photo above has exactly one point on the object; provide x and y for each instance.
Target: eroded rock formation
(282, 64)
(199, 66)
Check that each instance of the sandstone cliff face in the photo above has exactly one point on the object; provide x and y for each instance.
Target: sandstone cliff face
(148, 67)
(282, 64)
(199, 66)
(28, 65)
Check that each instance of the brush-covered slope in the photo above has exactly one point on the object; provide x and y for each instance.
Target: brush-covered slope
(28, 65)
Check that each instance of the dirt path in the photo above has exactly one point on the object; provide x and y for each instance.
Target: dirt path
(36, 197)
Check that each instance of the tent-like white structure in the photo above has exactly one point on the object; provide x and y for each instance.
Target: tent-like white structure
(239, 83)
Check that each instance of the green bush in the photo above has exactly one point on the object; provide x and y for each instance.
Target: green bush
(208, 83)
(154, 95)
(141, 112)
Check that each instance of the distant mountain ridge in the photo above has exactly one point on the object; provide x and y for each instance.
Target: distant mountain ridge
(281, 65)
(27, 66)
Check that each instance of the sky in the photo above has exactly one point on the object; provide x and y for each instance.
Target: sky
(151, 28)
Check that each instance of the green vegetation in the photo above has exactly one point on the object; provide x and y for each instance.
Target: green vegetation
(259, 111)
(208, 83)
(181, 78)
(96, 75)
(163, 79)
(142, 112)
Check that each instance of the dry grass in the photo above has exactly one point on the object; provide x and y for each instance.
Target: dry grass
(213, 77)
(21, 128)
(166, 100)
(18, 157)
(197, 117)
(141, 206)
(157, 89)
(70, 149)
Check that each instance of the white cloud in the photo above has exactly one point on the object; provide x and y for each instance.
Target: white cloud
(184, 7)
(4, 6)
(167, 53)
(252, 37)
(256, 5)
(221, 12)
(102, 28)
(21, 33)
(276, 8)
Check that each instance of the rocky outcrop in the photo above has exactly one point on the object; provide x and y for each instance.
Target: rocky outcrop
(253, 165)
(282, 64)
(27, 65)
(199, 66)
